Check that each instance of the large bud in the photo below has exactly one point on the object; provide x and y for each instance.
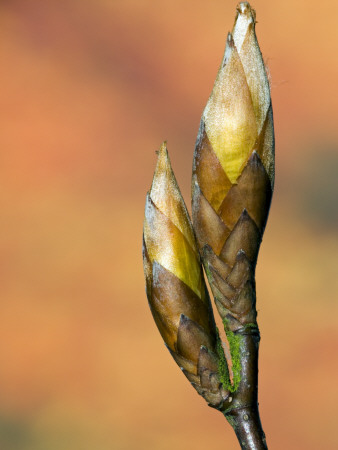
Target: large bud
(233, 173)
(176, 289)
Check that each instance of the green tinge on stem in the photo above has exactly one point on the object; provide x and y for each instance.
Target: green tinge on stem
(234, 344)
(235, 353)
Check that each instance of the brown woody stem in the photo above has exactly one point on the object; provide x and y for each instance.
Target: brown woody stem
(248, 428)
(243, 415)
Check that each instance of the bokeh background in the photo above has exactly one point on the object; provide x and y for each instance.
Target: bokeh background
(89, 90)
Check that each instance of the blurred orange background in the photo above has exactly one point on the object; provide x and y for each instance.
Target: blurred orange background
(89, 90)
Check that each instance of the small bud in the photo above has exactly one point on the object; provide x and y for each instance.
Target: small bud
(176, 289)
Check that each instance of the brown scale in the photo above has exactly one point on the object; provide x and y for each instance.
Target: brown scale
(173, 295)
(252, 192)
(209, 227)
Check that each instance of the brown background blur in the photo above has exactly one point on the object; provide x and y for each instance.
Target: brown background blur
(89, 89)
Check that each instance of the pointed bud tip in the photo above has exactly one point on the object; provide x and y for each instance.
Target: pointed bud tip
(163, 165)
(163, 147)
(244, 9)
(245, 17)
(162, 153)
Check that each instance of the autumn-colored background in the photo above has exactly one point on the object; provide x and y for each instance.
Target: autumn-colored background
(89, 89)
